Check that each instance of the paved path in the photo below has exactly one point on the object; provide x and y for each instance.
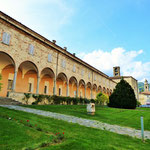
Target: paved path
(84, 122)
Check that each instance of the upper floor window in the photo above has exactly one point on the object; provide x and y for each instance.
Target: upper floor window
(82, 72)
(31, 49)
(94, 78)
(6, 38)
(89, 75)
(63, 63)
(99, 79)
(49, 57)
(74, 68)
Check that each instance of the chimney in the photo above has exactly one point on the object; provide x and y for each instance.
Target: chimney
(54, 41)
(65, 48)
(74, 54)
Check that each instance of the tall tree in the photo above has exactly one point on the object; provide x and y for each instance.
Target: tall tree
(123, 96)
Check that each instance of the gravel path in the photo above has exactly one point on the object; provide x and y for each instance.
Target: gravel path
(84, 122)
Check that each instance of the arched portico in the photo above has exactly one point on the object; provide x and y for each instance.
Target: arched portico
(27, 77)
(73, 87)
(107, 91)
(99, 89)
(82, 89)
(61, 84)
(88, 90)
(94, 91)
(46, 81)
(104, 90)
(7, 70)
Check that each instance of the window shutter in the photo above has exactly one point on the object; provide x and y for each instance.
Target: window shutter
(64, 64)
(4, 40)
(89, 75)
(49, 58)
(31, 49)
(74, 68)
(82, 72)
(8, 39)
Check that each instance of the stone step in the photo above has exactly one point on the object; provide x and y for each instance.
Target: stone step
(8, 101)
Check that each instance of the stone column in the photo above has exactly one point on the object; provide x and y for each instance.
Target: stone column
(91, 93)
(67, 88)
(77, 90)
(54, 89)
(85, 93)
(14, 81)
(38, 83)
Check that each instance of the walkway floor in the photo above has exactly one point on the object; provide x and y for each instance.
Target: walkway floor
(84, 122)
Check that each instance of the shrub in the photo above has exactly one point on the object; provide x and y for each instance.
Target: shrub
(123, 96)
(26, 97)
(0, 83)
(138, 104)
(102, 99)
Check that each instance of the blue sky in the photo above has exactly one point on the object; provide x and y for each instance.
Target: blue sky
(104, 33)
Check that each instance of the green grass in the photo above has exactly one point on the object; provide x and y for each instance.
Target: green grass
(15, 134)
(122, 117)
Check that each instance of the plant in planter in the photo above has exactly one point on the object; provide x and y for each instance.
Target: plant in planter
(26, 97)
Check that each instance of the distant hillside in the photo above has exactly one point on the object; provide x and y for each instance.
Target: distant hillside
(141, 86)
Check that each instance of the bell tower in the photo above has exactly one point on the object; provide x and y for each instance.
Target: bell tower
(116, 71)
(146, 85)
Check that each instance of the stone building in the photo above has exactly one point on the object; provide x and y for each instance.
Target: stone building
(144, 97)
(132, 81)
(30, 63)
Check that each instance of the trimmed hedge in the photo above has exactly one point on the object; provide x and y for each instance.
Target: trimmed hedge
(57, 100)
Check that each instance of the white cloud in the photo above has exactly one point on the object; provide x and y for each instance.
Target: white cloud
(105, 61)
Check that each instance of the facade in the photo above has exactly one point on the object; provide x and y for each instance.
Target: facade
(30, 63)
(132, 81)
(144, 97)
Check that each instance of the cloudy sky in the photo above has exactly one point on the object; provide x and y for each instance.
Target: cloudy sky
(103, 33)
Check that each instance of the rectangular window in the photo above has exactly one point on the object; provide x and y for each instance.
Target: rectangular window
(74, 68)
(63, 63)
(59, 91)
(30, 87)
(10, 83)
(6, 38)
(49, 57)
(89, 75)
(31, 49)
(82, 72)
(45, 89)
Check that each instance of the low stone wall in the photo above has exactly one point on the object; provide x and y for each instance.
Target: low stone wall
(20, 97)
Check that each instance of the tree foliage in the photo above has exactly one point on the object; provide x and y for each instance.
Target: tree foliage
(0, 83)
(102, 99)
(123, 96)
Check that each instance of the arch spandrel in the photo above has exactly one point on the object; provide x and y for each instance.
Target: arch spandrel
(47, 71)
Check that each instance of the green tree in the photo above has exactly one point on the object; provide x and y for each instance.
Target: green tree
(0, 83)
(123, 96)
(102, 99)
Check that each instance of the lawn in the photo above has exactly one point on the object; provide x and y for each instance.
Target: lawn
(123, 117)
(21, 130)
